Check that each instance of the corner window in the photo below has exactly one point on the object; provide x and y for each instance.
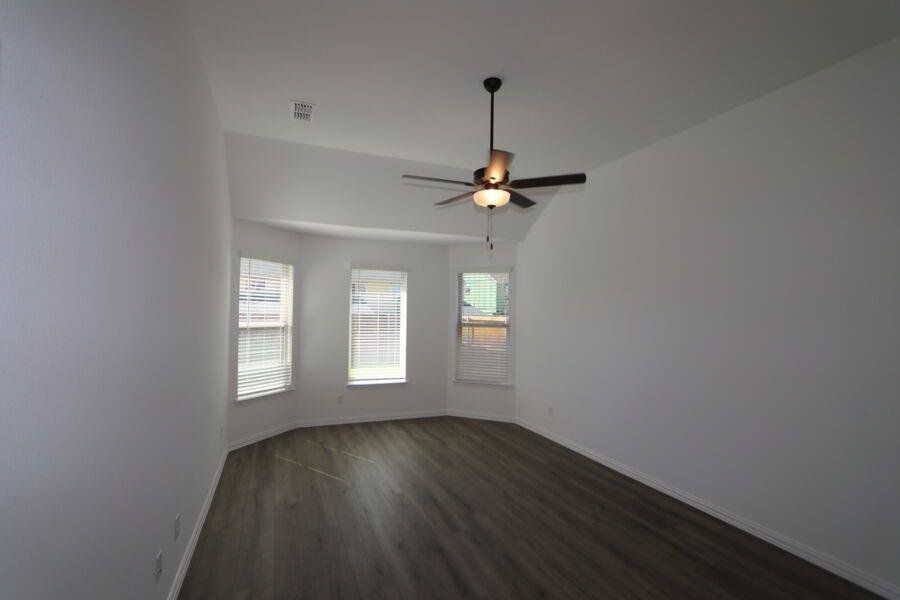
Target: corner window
(265, 317)
(482, 328)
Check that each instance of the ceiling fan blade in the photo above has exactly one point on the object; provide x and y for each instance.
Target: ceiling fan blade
(438, 180)
(520, 200)
(550, 181)
(498, 165)
(453, 199)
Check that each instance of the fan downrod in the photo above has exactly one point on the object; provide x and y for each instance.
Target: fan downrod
(492, 84)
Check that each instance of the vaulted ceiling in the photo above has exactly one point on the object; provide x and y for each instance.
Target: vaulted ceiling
(585, 81)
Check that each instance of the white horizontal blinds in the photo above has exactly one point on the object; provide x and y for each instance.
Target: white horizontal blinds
(482, 328)
(377, 325)
(265, 315)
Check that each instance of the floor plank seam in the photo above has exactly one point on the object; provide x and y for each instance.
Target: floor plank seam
(448, 498)
(821, 559)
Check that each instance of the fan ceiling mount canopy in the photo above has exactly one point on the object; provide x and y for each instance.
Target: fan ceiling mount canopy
(491, 186)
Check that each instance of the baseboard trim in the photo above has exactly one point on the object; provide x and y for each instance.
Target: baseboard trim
(468, 414)
(830, 563)
(195, 534)
(299, 424)
(840, 568)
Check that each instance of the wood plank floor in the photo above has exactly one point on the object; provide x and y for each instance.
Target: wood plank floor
(457, 508)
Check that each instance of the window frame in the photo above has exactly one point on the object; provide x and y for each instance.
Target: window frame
(235, 320)
(353, 383)
(509, 326)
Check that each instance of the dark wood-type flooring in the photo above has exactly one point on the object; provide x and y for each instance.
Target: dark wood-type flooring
(457, 508)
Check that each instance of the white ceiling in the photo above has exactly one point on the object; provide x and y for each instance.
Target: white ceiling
(585, 82)
(369, 233)
(312, 189)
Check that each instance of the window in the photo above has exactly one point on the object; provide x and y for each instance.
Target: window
(377, 327)
(482, 328)
(265, 315)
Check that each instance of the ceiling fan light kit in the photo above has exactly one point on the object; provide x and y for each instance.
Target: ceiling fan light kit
(491, 197)
(491, 185)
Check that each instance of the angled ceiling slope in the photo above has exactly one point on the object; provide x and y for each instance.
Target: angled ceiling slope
(585, 81)
(311, 189)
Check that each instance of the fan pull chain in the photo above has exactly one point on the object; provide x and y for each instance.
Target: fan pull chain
(490, 229)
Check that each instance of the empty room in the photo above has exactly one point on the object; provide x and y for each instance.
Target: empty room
(444, 299)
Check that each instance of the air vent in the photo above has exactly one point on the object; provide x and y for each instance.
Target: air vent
(301, 111)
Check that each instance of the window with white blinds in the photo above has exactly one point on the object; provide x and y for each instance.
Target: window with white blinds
(265, 315)
(377, 326)
(482, 328)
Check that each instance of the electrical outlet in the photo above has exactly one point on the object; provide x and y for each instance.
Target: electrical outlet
(158, 571)
(340, 398)
(177, 525)
(549, 411)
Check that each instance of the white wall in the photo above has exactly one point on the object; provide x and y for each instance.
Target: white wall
(721, 311)
(321, 321)
(470, 399)
(114, 238)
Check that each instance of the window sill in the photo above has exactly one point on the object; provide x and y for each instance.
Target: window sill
(265, 394)
(486, 383)
(368, 382)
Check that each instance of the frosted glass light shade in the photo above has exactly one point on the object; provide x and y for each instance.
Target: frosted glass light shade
(491, 197)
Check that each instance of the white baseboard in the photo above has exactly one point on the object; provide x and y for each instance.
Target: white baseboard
(468, 414)
(840, 568)
(258, 437)
(830, 563)
(195, 534)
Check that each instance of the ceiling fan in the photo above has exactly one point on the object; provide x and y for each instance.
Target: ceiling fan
(490, 186)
